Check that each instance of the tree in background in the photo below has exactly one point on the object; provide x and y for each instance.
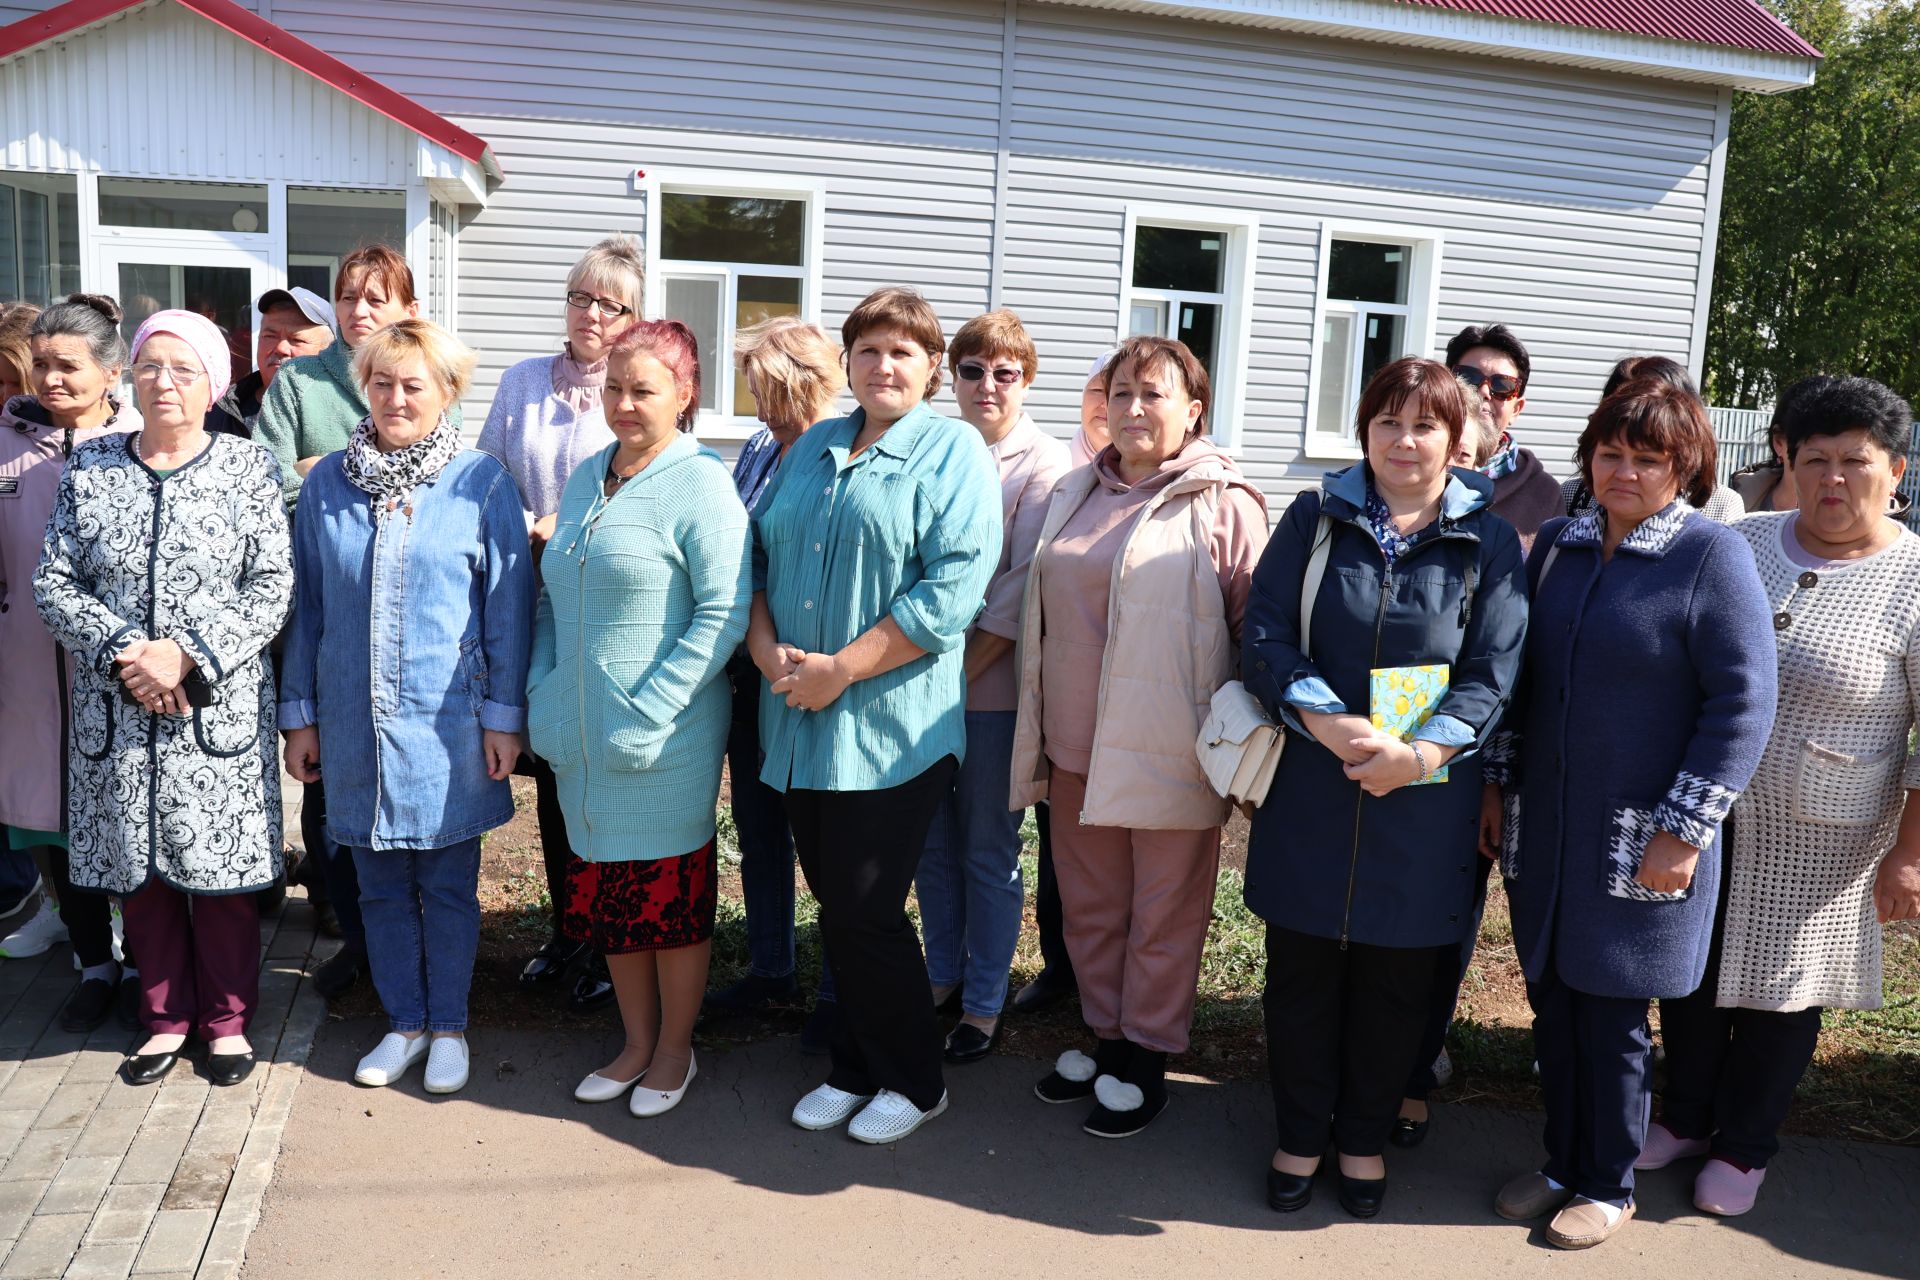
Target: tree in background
(1818, 266)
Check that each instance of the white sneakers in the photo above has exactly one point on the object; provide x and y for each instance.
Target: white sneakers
(884, 1117)
(446, 1064)
(890, 1117)
(390, 1059)
(827, 1106)
(657, 1102)
(43, 930)
(446, 1058)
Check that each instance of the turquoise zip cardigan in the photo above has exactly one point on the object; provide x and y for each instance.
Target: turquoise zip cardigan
(646, 596)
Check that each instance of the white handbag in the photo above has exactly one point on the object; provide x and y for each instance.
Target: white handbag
(1239, 744)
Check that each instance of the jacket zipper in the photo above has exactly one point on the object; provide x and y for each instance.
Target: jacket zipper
(1360, 794)
(580, 646)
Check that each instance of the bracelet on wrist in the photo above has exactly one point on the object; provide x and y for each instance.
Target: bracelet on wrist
(1419, 758)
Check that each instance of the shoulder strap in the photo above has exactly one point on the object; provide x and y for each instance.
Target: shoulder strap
(1546, 566)
(1316, 571)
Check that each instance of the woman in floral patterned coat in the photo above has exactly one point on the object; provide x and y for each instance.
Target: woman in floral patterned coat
(167, 571)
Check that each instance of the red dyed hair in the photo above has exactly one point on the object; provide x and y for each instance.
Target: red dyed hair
(673, 345)
(376, 262)
(1410, 376)
(1651, 413)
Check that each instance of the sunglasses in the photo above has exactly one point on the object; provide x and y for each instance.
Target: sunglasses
(1005, 376)
(1501, 386)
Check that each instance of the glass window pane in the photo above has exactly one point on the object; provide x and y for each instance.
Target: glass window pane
(10, 289)
(1148, 318)
(707, 228)
(64, 271)
(1330, 415)
(1199, 329)
(222, 294)
(695, 302)
(1362, 272)
(36, 256)
(761, 298)
(183, 206)
(1380, 346)
(1178, 258)
(325, 224)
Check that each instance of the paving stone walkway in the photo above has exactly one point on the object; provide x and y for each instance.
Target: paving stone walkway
(102, 1180)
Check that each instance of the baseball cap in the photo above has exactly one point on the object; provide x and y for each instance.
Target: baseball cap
(312, 305)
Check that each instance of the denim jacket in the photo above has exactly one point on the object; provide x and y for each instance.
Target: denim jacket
(409, 638)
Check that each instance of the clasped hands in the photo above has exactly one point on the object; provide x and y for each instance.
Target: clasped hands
(153, 671)
(808, 681)
(1372, 757)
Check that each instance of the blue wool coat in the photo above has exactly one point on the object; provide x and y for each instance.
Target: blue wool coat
(1648, 699)
(1325, 858)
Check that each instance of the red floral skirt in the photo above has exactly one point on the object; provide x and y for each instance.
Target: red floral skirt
(648, 904)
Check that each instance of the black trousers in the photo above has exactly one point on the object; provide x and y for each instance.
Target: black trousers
(860, 851)
(1343, 1025)
(1054, 959)
(1449, 971)
(87, 914)
(555, 846)
(1596, 1078)
(1731, 1073)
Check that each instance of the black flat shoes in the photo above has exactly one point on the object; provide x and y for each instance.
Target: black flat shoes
(1288, 1192)
(145, 1068)
(1408, 1133)
(229, 1068)
(968, 1043)
(1362, 1197)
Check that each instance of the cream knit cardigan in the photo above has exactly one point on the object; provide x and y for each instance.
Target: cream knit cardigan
(1823, 810)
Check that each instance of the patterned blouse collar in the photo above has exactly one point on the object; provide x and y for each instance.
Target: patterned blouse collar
(1651, 537)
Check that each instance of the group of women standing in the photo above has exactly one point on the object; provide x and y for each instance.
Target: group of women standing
(1683, 742)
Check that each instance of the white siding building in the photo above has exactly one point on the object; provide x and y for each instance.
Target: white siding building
(1301, 188)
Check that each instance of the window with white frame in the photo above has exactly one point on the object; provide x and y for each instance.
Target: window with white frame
(1188, 275)
(1375, 304)
(727, 260)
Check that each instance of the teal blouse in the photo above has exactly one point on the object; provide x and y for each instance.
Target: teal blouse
(909, 530)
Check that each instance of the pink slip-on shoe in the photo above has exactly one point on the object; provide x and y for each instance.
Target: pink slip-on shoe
(1725, 1190)
(1663, 1148)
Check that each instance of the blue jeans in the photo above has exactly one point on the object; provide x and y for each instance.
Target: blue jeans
(422, 914)
(766, 842)
(971, 897)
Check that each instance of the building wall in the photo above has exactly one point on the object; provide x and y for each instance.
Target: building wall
(1573, 204)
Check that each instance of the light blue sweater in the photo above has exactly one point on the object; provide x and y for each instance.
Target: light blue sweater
(538, 435)
(646, 595)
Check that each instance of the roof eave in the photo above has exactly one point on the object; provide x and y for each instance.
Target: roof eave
(1486, 35)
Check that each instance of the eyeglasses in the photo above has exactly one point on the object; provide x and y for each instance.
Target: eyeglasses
(1501, 386)
(176, 374)
(581, 300)
(1005, 376)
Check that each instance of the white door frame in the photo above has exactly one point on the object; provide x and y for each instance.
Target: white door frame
(111, 248)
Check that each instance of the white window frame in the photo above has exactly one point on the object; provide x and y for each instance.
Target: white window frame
(724, 424)
(1241, 229)
(1426, 250)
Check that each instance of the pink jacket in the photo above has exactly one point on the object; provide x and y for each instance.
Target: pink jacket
(1031, 462)
(33, 676)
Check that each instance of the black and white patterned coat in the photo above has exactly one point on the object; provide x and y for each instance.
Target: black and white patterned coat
(201, 558)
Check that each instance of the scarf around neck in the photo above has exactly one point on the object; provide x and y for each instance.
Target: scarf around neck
(390, 478)
(579, 386)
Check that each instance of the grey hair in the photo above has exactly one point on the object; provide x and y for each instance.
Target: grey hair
(92, 316)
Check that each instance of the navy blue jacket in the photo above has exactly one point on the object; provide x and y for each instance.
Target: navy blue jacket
(1648, 699)
(1326, 858)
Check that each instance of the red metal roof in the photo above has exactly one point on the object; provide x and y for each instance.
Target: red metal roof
(65, 19)
(1738, 24)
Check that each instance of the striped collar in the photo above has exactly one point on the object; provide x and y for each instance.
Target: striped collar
(1652, 537)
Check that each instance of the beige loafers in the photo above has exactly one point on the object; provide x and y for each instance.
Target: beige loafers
(1584, 1224)
(1529, 1196)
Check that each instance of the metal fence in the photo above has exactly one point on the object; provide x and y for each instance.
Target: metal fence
(1742, 436)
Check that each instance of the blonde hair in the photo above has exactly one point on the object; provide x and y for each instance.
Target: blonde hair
(791, 366)
(449, 361)
(615, 266)
(15, 320)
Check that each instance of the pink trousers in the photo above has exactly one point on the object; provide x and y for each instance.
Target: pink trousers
(1136, 905)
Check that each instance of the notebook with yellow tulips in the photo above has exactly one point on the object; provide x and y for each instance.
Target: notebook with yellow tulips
(1401, 699)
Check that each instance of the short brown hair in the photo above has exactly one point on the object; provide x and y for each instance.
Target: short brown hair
(997, 333)
(897, 306)
(1653, 414)
(15, 320)
(792, 367)
(449, 361)
(377, 262)
(1405, 378)
(1164, 355)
